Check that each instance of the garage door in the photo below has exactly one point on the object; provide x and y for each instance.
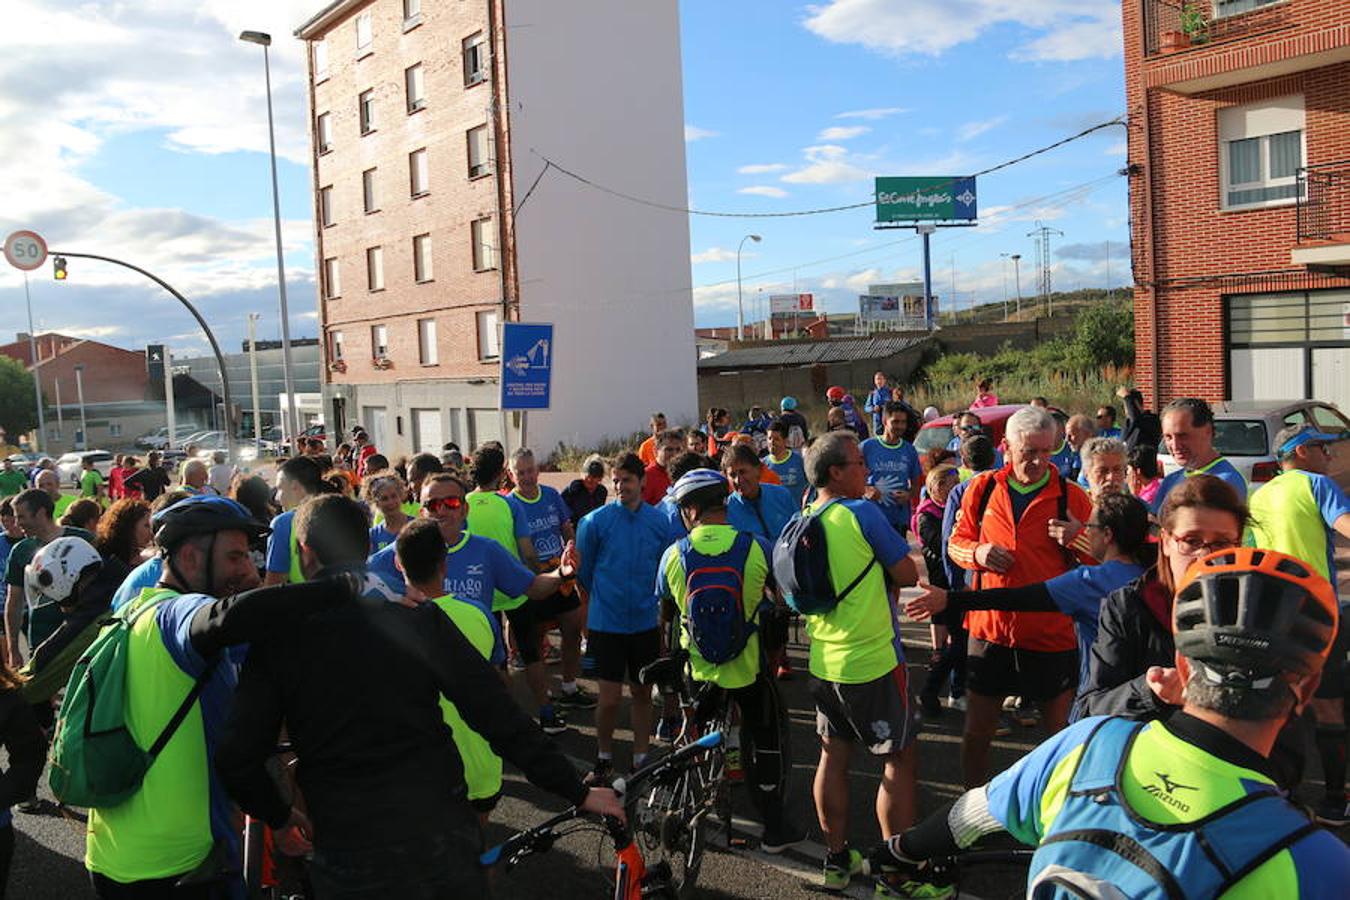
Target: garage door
(1288, 346)
(428, 435)
(484, 425)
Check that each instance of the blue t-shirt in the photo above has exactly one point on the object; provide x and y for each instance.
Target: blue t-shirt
(145, 575)
(1221, 468)
(876, 405)
(1067, 461)
(380, 537)
(1079, 593)
(790, 471)
(279, 544)
(1109, 433)
(893, 467)
(766, 516)
(956, 576)
(544, 517)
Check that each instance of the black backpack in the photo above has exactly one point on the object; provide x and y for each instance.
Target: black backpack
(802, 567)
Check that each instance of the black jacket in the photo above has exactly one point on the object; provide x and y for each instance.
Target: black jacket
(26, 747)
(1142, 426)
(1130, 638)
(358, 686)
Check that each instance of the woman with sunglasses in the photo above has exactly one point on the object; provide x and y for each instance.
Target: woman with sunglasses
(386, 493)
(1134, 633)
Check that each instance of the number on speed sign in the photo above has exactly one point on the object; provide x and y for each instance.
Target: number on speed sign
(25, 250)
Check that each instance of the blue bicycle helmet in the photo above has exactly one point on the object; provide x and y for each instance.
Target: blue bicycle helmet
(698, 480)
(204, 514)
(788, 404)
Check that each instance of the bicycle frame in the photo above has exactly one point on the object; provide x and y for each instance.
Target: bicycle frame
(630, 869)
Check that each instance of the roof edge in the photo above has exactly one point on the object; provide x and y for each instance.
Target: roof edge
(324, 17)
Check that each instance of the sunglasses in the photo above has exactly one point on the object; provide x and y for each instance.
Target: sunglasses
(436, 504)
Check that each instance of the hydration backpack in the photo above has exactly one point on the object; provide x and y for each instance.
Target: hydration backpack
(1098, 848)
(714, 605)
(95, 761)
(802, 568)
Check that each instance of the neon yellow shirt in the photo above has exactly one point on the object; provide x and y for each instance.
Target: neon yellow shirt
(490, 516)
(482, 767)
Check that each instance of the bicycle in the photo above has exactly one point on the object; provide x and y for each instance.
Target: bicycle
(268, 875)
(949, 869)
(633, 878)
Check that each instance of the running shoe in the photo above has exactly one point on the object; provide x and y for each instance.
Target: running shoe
(553, 724)
(578, 699)
(958, 703)
(1332, 813)
(911, 890)
(839, 873)
(776, 840)
(601, 775)
(732, 765)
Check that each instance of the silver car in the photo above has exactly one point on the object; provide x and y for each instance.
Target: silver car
(1244, 432)
(71, 465)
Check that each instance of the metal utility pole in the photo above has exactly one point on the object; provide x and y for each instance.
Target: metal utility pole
(79, 392)
(1043, 280)
(37, 370)
(168, 398)
(1017, 274)
(60, 418)
(927, 229)
(253, 377)
(1108, 267)
(956, 307)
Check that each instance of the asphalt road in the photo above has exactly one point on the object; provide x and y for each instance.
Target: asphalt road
(49, 847)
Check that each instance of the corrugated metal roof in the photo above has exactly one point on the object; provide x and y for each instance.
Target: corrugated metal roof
(807, 353)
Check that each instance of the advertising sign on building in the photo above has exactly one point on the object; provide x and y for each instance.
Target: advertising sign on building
(898, 312)
(926, 198)
(527, 353)
(791, 304)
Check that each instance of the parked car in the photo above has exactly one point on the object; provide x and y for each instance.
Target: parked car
(314, 431)
(159, 439)
(71, 465)
(1244, 432)
(938, 433)
(23, 462)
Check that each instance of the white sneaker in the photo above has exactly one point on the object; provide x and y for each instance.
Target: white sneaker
(957, 703)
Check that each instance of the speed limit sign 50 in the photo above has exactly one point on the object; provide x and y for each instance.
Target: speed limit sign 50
(25, 250)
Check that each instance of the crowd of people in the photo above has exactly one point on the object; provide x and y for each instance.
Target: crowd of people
(1177, 644)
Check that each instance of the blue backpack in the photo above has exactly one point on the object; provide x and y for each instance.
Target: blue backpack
(1098, 848)
(714, 606)
(802, 568)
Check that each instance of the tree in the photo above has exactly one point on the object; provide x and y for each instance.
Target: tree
(1104, 335)
(18, 414)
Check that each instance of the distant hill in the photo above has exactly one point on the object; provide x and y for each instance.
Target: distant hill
(1063, 304)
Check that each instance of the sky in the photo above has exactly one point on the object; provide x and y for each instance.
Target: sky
(138, 129)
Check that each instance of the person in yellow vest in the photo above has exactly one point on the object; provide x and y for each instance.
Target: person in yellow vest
(298, 479)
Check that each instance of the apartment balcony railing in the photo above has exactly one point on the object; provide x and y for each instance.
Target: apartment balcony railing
(1172, 25)
(1324, 202)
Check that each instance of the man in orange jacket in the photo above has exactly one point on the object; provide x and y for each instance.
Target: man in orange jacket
(647, 449)
(1003, 536)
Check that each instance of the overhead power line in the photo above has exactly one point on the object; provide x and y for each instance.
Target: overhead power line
(553, 164)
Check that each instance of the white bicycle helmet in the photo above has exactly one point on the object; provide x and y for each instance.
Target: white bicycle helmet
(697, 480)
(56, 569)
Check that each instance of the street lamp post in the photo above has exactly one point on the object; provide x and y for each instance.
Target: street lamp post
(1017, 275)
(79, 392)
(740, 311)
(253, 379)
(1005, 285)
(265, 40)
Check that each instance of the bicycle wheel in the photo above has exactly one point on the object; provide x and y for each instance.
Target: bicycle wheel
(668, 824)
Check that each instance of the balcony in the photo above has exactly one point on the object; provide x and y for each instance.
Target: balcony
(1171, 26)
(1323, 216)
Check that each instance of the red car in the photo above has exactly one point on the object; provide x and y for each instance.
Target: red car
(938, 433)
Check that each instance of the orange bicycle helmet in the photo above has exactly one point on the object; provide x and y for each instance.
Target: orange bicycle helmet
(1253, 613)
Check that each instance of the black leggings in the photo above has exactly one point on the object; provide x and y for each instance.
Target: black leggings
(764, 735)
(525, 631)
(155, 889)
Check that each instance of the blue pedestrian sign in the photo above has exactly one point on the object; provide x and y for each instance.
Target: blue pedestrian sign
(527, 365)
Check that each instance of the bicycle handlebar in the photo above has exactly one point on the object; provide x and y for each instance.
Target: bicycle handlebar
(541, 835)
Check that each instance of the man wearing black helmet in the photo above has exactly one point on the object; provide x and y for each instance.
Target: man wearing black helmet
(1148, 808)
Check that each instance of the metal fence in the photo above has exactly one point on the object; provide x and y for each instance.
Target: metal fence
(1323, 201)
(1171, 25)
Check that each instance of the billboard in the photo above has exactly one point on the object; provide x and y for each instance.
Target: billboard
(926, 198)
(901, 312)
(791, 304)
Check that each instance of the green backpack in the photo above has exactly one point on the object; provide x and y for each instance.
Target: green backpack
(96, 763)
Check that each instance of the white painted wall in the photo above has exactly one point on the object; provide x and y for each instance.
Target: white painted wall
(596, 86)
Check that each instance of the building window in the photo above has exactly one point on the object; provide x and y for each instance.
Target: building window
(114, 429)
(412, 12)
(320, 60)
(1260, 152)
(365, 106)
(422, 258)
(364, 33)
(332, 285)
(484, 240)
(426, 341)
(412, 81)
(326, 205)
(418, 175)
(379, 341)
(1224, 8)
(480, 161)
(335, 348)
(488, 347)
(375, 268)
(475, 58)
(369, 200)
(324, 127)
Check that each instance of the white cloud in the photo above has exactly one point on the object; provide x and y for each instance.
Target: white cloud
(972, 130)
(761, 168)
(764, 190)
(694, 133)
(842, 132)
(718, 254)
(827, 164)
(1065, 29)
(874, 114)
(1119, 148)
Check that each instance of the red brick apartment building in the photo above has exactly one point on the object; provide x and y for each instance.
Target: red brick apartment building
(1239, 145)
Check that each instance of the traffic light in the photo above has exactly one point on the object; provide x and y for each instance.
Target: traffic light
(59, 268)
